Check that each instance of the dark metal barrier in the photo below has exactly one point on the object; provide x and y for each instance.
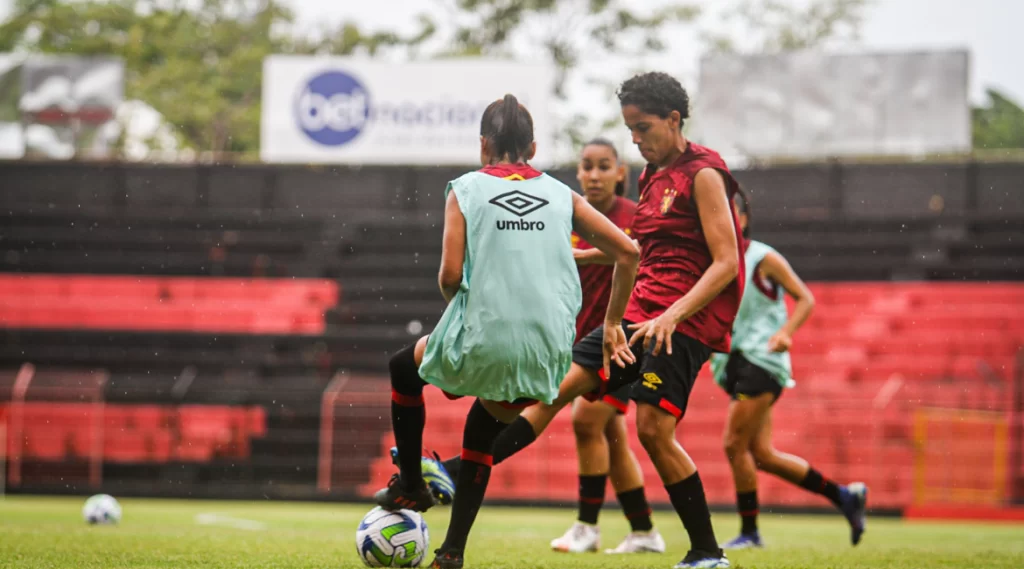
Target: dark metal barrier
(812, 191)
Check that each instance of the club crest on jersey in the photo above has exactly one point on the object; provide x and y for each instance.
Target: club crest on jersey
(667, 199)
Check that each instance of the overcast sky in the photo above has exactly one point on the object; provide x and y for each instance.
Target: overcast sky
(990, 29)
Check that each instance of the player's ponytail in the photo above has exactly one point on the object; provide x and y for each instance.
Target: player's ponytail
(508, 128)
(743, 205)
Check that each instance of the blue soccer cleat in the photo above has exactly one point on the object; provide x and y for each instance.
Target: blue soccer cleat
(853, 500)
(744, 541)
(704, 560)
(435, 475)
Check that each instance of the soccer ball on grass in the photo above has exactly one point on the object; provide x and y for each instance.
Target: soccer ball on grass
(392, 539)
(101, 509)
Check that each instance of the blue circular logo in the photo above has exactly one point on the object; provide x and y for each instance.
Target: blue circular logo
(333, 108)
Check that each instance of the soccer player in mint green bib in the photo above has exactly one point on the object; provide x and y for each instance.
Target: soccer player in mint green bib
(513, 292)
(754, 373)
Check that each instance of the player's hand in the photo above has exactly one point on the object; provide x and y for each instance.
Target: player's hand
(659, 331)
(580, 256)
(780, 342)
(616, 348)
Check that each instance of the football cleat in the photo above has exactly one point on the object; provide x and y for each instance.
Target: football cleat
(580, 538)
(640, 542)
(435, 475)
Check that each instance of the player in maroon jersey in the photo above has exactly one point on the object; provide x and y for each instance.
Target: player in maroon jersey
(683, 304)
(602, 445)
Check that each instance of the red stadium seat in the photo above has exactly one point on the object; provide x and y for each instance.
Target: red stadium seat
(207, 305)
(126, 447)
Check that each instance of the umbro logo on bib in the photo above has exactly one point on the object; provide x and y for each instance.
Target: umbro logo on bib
(520, 204)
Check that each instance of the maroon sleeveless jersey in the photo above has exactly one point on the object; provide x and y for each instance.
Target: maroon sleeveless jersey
(673, 252)
(596, 280)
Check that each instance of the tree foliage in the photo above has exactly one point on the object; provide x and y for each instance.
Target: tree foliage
(199, 64)
(774, 26)
(998, 125)
(563, 32)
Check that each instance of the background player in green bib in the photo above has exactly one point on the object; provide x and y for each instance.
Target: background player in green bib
(754, 374)
(513, 292)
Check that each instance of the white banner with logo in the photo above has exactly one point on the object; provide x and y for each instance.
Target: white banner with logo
(358, 111)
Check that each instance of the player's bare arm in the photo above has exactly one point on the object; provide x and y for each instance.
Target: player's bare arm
(716, 221)
(453, 249)
(775, 268)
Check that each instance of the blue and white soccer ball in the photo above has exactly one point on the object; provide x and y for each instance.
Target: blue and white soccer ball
(101, 509)
(392, 539)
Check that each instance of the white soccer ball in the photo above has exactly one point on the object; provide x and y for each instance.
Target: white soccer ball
(101, 509)
(392, 539)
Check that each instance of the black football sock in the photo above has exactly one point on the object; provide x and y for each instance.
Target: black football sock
(746, 504)
(452, 465)
(591, 497)
(691, 505)
(471, 485)
(818, 484)
(636, 509)
(408, 415)
(514, 438)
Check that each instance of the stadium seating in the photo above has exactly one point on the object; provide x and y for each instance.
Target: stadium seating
(135, 433)
(167, 278)
(870, 361)
(203, 305)
(159, 241)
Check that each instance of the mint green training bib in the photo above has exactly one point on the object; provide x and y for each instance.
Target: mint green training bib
(508, 332)
(758, 319)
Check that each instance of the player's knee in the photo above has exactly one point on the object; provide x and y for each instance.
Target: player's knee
(482, 427)
(734, 444)
(577, 382)
(615, 432)
(764, 457)
(651, 434)
(405, 377)
(587, 429)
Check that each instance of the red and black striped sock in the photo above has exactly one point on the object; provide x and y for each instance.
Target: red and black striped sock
(474, 472)
(637, 510)
(746, 503)
(815, 482)
(408, 415)
(591, 497)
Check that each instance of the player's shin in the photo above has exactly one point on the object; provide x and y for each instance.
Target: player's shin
(471, 485)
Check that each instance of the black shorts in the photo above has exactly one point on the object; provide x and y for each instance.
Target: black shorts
(744, 380)
(664, 380)
(618, 399)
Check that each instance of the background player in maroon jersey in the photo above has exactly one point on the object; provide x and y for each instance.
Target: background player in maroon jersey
(600, 426)
(683, 304)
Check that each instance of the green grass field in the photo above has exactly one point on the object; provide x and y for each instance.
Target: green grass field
(46, 532)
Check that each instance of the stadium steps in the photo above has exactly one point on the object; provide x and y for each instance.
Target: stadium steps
(394, 312)
(412, 265)
(386, 288)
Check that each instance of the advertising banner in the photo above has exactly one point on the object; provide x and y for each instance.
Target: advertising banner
(357, 111)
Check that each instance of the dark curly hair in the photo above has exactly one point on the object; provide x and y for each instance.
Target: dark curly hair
(655, 93)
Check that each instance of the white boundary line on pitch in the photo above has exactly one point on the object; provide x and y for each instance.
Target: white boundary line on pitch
(212, 519)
